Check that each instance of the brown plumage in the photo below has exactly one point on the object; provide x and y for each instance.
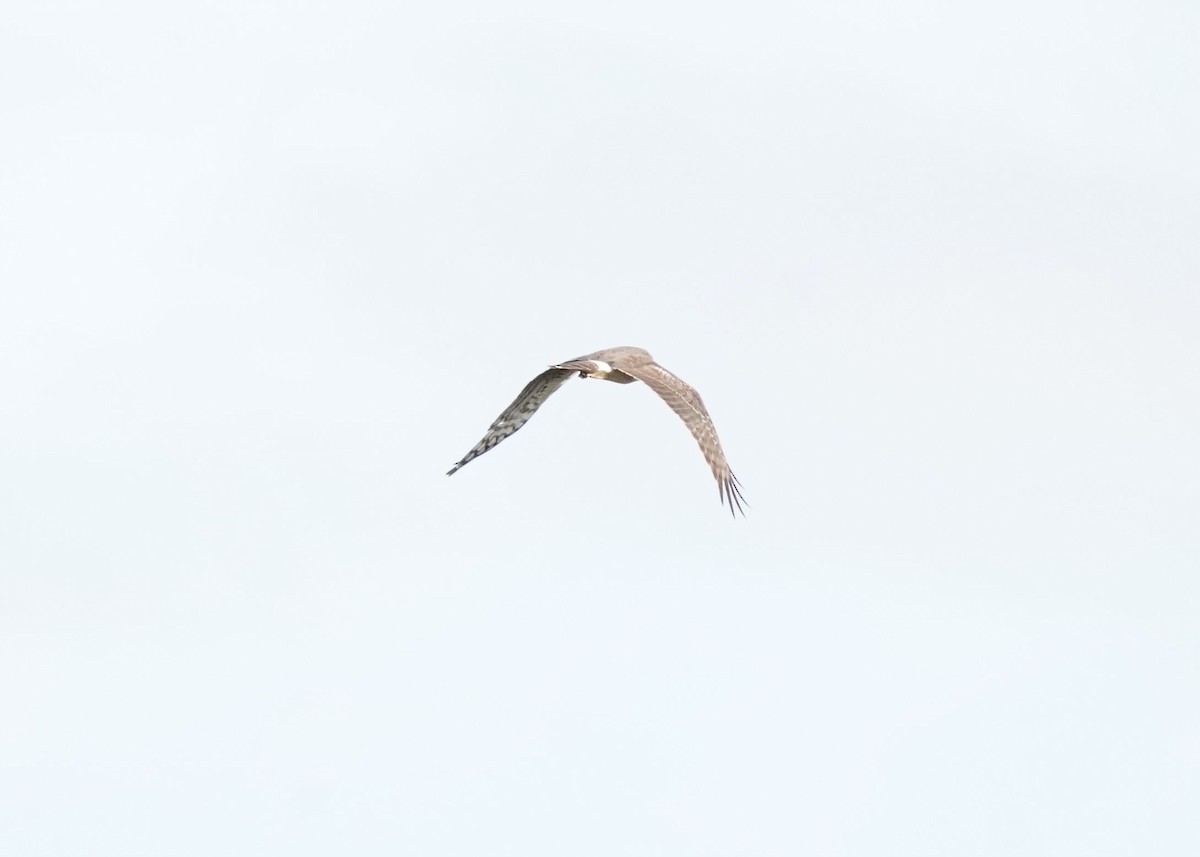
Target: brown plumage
(622, 365)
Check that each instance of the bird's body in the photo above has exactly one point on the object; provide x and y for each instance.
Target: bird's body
(622, 365)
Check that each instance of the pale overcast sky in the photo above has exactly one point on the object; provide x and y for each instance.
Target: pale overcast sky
(268, 269)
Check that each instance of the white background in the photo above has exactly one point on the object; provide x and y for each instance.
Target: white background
(268, 269)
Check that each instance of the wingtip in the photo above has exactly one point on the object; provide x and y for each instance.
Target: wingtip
(731, 490)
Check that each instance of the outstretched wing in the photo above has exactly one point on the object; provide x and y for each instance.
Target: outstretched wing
(518, 413)
(686, 402)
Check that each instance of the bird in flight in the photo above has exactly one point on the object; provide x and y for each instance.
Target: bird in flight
(622, 365)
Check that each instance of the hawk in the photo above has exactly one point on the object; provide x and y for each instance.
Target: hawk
(622, 365)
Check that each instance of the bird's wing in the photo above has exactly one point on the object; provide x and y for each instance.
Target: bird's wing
(518, 413)
(686, 402)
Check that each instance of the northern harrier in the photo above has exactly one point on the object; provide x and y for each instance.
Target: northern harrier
(623, 366)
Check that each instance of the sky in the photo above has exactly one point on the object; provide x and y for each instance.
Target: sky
(268, 270)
